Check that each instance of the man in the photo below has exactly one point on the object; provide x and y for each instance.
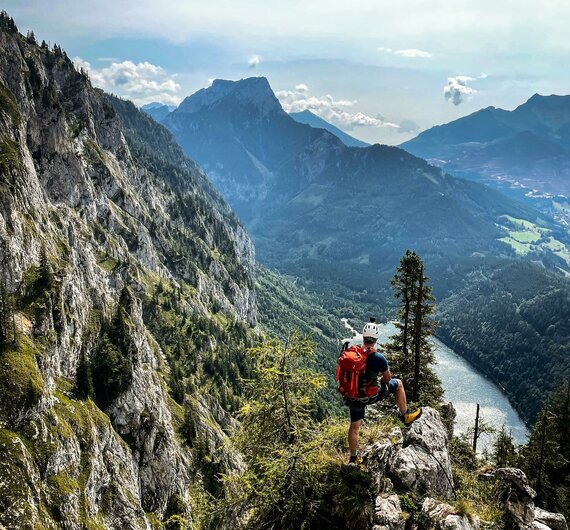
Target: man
(376, 364)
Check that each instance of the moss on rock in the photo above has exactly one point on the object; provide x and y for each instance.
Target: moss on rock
(21, 384)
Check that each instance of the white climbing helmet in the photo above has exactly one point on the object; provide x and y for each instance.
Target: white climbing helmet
(371, 329)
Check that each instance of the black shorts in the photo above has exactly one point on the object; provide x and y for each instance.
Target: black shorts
(357, 407)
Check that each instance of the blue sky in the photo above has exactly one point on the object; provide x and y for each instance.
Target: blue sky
(381, 70)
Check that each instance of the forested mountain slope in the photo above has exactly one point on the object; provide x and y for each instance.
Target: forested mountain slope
(513, 324)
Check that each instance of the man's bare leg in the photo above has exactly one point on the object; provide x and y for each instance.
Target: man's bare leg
(353, 436)
(407, 417)
(400, 397)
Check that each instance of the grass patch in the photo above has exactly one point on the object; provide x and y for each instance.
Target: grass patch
(9, 155)
(93, 153)
(476, 497)
(15, 491)
(107, 263)
(525, 236)
(21, 383)
(523, 223)
(9, 105)
(520, 248)
(554, 245)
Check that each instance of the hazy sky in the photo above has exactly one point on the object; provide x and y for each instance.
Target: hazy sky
(381, 70)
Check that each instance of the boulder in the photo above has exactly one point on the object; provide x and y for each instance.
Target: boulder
(458, 522)
(555, 521)
(423, 464)
(388, 513)
(444, 517)
(516, 497)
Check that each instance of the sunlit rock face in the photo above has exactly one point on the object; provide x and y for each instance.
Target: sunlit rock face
(104, 196)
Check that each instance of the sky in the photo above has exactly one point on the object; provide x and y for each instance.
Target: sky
(380, 70)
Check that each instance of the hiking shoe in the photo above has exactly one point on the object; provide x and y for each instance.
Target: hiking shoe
(353, 460)
(409, 417)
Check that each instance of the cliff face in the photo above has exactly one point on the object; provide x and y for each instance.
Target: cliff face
(95, 200)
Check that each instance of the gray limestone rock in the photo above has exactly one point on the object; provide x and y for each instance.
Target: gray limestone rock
(423, 464)
(77, 188)
(388, 513)
(516, 496)
(445, 517)
(556, 521)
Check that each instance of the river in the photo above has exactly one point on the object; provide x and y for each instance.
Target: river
(465, 387)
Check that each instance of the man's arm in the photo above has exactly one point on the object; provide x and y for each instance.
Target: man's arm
(386, 376)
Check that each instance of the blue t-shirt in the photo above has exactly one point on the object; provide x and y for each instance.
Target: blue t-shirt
(376, 364)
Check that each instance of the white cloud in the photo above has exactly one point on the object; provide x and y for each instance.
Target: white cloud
(408, 126)
(411, 52)
(457, 90)
(254, 60)
(337, 112)
(142, 82)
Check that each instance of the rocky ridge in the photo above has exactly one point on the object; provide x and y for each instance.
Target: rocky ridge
(418, 461)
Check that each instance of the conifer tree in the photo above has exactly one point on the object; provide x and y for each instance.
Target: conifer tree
(5, 317)
(546, 457)
(84, 378)
(504, 450)
(46, 278)
(410, 349)
(277, 436)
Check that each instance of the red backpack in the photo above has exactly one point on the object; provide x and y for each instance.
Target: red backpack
(349, 370)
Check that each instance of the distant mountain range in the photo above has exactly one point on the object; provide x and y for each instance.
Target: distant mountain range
(526, 150)
(306, 197)
(338, 218)
(157, 111)
(308, 118)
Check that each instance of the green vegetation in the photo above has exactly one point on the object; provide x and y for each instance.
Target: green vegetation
(411, 352)
(9, 105)
(526, 236)
(10, 159)
(530, 240)
(294, 476)
(546, 457)
(205, 354)
(283, 307)
(20, 379)
(112, 362)
(520, 248)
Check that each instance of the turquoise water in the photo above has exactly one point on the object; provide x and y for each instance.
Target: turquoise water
(465, 387)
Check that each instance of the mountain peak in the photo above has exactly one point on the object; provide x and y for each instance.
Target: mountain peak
(251, 91)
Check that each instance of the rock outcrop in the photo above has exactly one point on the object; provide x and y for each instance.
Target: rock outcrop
(517, 499)
(444, 517)
(423, 464)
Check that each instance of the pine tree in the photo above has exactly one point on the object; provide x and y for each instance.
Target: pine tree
(504, 450)
(46, 278)
(277, 437)
(84, 378)
(411, 351)
(5, 317)
(546, 457)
